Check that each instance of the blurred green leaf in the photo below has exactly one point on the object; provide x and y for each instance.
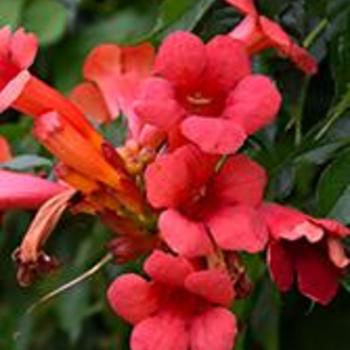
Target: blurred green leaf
(265, 317)
(333, 186)
(72, 309)
(180, 15)
(340, 51)
(170, 11)
(25, 162)
(10, 12)
(46, 18)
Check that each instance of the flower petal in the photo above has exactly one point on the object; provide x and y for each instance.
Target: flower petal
(228, 63)
(90, 100)
(138, 59)
(132, 298)
(118, 71)
(13, 90)
(250, 34)
(214, 329)
(332, 226)
(167, 268)
(303, 59)
(102, 66)
(240, 181)
(214, 135)
(238, 228)
(247, 7)
(336, 252)
(156, 104)
(181, 59)
(317, 277)
(276, 34)
(280, 266)
(290, 224)
(184, 236)
(213, 285)
(164, 331)
(164, 188)
(24, 47)
(174, 178)
(254, 103)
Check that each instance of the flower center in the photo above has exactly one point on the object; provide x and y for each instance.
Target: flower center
(198, 100)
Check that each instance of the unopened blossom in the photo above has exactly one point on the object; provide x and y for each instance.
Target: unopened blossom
(181, 307)
(306, 249)
(201, 203)
(206, 94)
(258, 33)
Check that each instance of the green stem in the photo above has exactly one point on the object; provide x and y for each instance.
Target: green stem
(315, 33)
(298, 112)
(335, 114)
(86, 275)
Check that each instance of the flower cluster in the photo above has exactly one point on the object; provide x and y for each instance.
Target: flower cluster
(180, 190)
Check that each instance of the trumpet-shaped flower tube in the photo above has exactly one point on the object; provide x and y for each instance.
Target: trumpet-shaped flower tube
(24, 191)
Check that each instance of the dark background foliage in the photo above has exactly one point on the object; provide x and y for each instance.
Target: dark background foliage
(307, 154)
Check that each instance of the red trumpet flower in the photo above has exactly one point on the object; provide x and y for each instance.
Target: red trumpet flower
(206, 94)
(259, 33)
(306, 247)
(179, 308)
(205, 206)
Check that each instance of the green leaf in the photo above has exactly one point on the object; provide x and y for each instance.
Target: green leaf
(340, 50)
(72, 309)
(26, 162)
(10, 12)
(334, 189)
(346, 283)
(265, 317)
(171, 10)
(180, 15)
(46, 18)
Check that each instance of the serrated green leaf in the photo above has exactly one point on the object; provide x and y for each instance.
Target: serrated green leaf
(10, 12)
(25, 162)
(48, 19)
